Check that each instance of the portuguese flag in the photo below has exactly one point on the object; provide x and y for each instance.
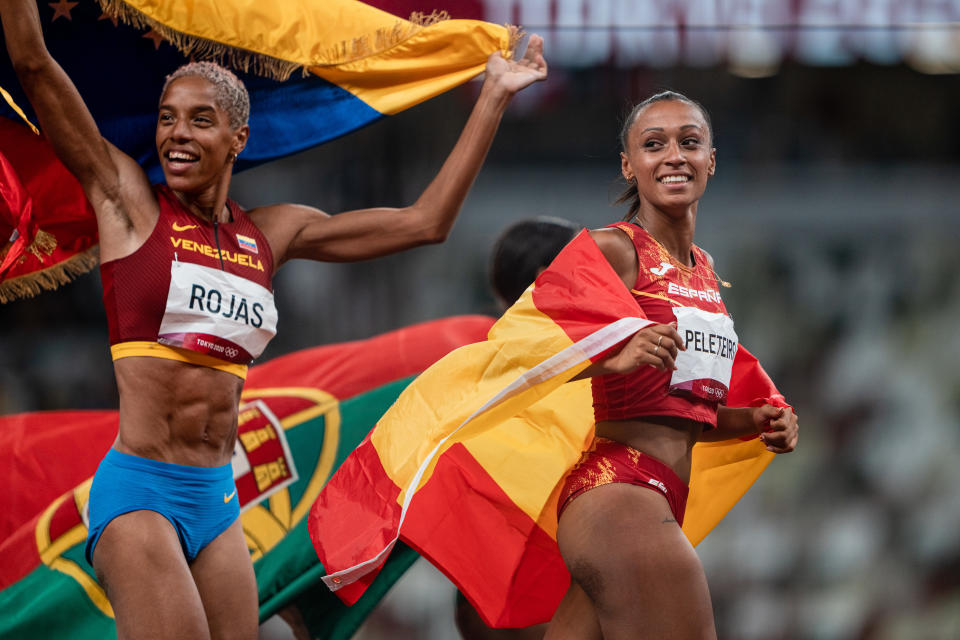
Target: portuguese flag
(300, 416)
(466, 466)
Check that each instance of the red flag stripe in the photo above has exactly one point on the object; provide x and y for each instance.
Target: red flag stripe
(581, 291)
(354, 488)
(461, 491)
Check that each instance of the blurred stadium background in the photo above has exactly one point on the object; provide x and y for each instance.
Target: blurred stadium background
(834, 213)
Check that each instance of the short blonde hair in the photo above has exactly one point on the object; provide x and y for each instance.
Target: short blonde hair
(230, 93)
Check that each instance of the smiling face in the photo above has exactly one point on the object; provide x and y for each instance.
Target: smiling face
(194, 138)
(670, 155)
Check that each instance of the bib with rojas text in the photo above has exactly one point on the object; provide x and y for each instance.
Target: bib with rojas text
(704, 369)
(217, 313)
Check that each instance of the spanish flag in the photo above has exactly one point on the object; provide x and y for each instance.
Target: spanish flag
(300, 416)
(466, 466)
(315, 70)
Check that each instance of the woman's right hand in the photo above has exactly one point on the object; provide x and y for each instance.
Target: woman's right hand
(656, 345)
(515, 74)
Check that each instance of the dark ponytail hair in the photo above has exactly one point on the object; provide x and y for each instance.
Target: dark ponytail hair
(631, 194)
(522, 251)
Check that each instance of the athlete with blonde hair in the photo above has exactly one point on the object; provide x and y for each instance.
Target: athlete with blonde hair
(187, 288)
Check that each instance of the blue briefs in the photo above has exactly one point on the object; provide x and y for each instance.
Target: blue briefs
(200, 502)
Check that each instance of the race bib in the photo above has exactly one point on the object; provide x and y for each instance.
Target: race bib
(217, 313)
(704, 369)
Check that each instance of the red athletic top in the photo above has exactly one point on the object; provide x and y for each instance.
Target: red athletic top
(135, 287)
(662, 284)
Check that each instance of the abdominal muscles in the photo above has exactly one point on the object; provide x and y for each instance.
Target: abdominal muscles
(176, 412)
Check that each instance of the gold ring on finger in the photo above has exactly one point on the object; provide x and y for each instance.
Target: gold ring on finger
(655, 350)
(659, 341)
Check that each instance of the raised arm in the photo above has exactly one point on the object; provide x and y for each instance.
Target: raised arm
(71, 130)
(304, 232)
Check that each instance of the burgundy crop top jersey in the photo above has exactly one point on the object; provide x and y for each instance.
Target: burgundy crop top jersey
(195, 291)
(668, 291)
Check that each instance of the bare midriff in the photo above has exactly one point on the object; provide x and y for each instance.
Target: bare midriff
(668, 439)
(176, 412)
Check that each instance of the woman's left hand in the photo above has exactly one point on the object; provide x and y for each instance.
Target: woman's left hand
(514, 75)
(778, 427)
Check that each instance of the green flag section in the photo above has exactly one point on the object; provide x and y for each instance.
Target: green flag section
(300, 417)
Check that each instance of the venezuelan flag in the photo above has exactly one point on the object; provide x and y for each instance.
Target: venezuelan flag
(467, 465)
(315, 70)
(320, 402)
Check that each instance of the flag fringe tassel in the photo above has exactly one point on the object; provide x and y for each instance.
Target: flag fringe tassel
(200, 48)
(31, 284)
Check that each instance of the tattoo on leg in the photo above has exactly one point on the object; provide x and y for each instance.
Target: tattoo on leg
(669, 520)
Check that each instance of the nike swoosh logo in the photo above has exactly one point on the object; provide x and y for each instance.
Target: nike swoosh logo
(185, 227)
(228, 498)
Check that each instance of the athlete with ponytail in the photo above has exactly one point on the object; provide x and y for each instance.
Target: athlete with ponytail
(634, 574)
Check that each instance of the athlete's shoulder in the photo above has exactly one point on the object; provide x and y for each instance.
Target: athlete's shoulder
(617, 247)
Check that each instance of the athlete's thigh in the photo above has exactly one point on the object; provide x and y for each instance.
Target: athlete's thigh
(228, 587)
(139, 561)
(624, 548)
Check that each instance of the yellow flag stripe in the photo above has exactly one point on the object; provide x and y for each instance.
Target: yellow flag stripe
(720, 475)
(434, 60)
(528, 455)
(276, 38)
(427, 412)
(305, 32)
